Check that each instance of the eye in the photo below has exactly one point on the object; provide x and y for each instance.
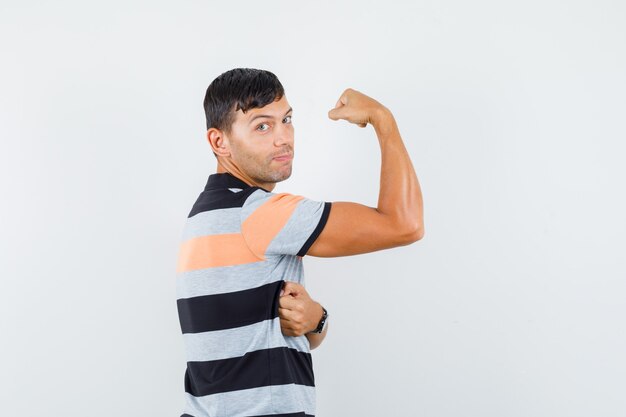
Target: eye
(288, 117)
(262, 130)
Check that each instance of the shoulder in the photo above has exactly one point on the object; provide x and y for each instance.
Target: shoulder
(267, 202)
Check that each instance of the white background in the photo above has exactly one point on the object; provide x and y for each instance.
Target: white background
(512, 305)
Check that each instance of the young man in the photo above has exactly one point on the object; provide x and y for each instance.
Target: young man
(248, 346)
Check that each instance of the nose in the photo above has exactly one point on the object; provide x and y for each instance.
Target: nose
(284, 135)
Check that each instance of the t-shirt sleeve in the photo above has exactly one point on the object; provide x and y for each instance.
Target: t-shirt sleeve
(282, 223)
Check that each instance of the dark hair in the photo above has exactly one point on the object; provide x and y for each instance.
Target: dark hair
(239, 88)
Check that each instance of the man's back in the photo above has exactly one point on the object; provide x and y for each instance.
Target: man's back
(239, 244)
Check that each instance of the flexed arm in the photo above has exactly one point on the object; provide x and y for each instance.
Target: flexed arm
(354, 228)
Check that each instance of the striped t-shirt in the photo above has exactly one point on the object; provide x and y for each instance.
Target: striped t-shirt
(239, 244)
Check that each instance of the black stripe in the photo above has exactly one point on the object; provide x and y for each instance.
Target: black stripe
(300, 414)
(260, 368)
(317, 231)
(227, 310)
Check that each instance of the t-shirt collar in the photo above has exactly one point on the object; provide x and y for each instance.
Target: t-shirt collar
(221, 180)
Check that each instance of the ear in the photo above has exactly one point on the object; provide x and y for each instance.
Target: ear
(218, 142)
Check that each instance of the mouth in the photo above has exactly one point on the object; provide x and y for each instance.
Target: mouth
(285, 157)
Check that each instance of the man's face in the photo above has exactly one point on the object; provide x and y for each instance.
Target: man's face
(259, 136)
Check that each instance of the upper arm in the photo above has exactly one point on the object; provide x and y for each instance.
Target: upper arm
(288, 224)
(353, 228)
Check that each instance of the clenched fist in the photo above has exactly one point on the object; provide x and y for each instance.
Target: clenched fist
(357, 108)
(298, 313)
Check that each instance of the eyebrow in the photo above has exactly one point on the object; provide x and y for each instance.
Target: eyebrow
(267, 115)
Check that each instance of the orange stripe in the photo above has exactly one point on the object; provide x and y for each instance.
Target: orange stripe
(266, 221)
(213, 251)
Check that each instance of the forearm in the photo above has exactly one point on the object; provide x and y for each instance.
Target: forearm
(400, 195)
(315, 339)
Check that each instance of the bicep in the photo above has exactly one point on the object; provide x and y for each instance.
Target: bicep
(353, 228)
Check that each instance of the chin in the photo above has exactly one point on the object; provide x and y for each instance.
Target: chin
(282, 176)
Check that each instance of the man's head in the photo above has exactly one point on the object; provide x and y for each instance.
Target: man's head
(241, 140)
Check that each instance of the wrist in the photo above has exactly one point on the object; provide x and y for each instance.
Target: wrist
(321, 323)
(385, 126)
(381, 115)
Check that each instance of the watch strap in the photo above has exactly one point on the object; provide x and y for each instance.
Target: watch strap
(320, 325)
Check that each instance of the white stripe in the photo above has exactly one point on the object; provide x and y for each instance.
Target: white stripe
(231, 278)
(224, 279)
(236, 342)
(212, 222)
(273, 399)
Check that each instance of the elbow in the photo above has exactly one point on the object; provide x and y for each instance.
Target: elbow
(414, 234)
(419, 233)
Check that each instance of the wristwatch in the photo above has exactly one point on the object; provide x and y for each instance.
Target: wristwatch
(322, 323)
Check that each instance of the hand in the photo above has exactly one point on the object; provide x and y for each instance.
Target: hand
(298, 313)
(357, 108)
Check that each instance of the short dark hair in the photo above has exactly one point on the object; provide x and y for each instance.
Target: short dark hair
(239, 88)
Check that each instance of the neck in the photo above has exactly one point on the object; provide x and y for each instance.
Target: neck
(236, 172)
